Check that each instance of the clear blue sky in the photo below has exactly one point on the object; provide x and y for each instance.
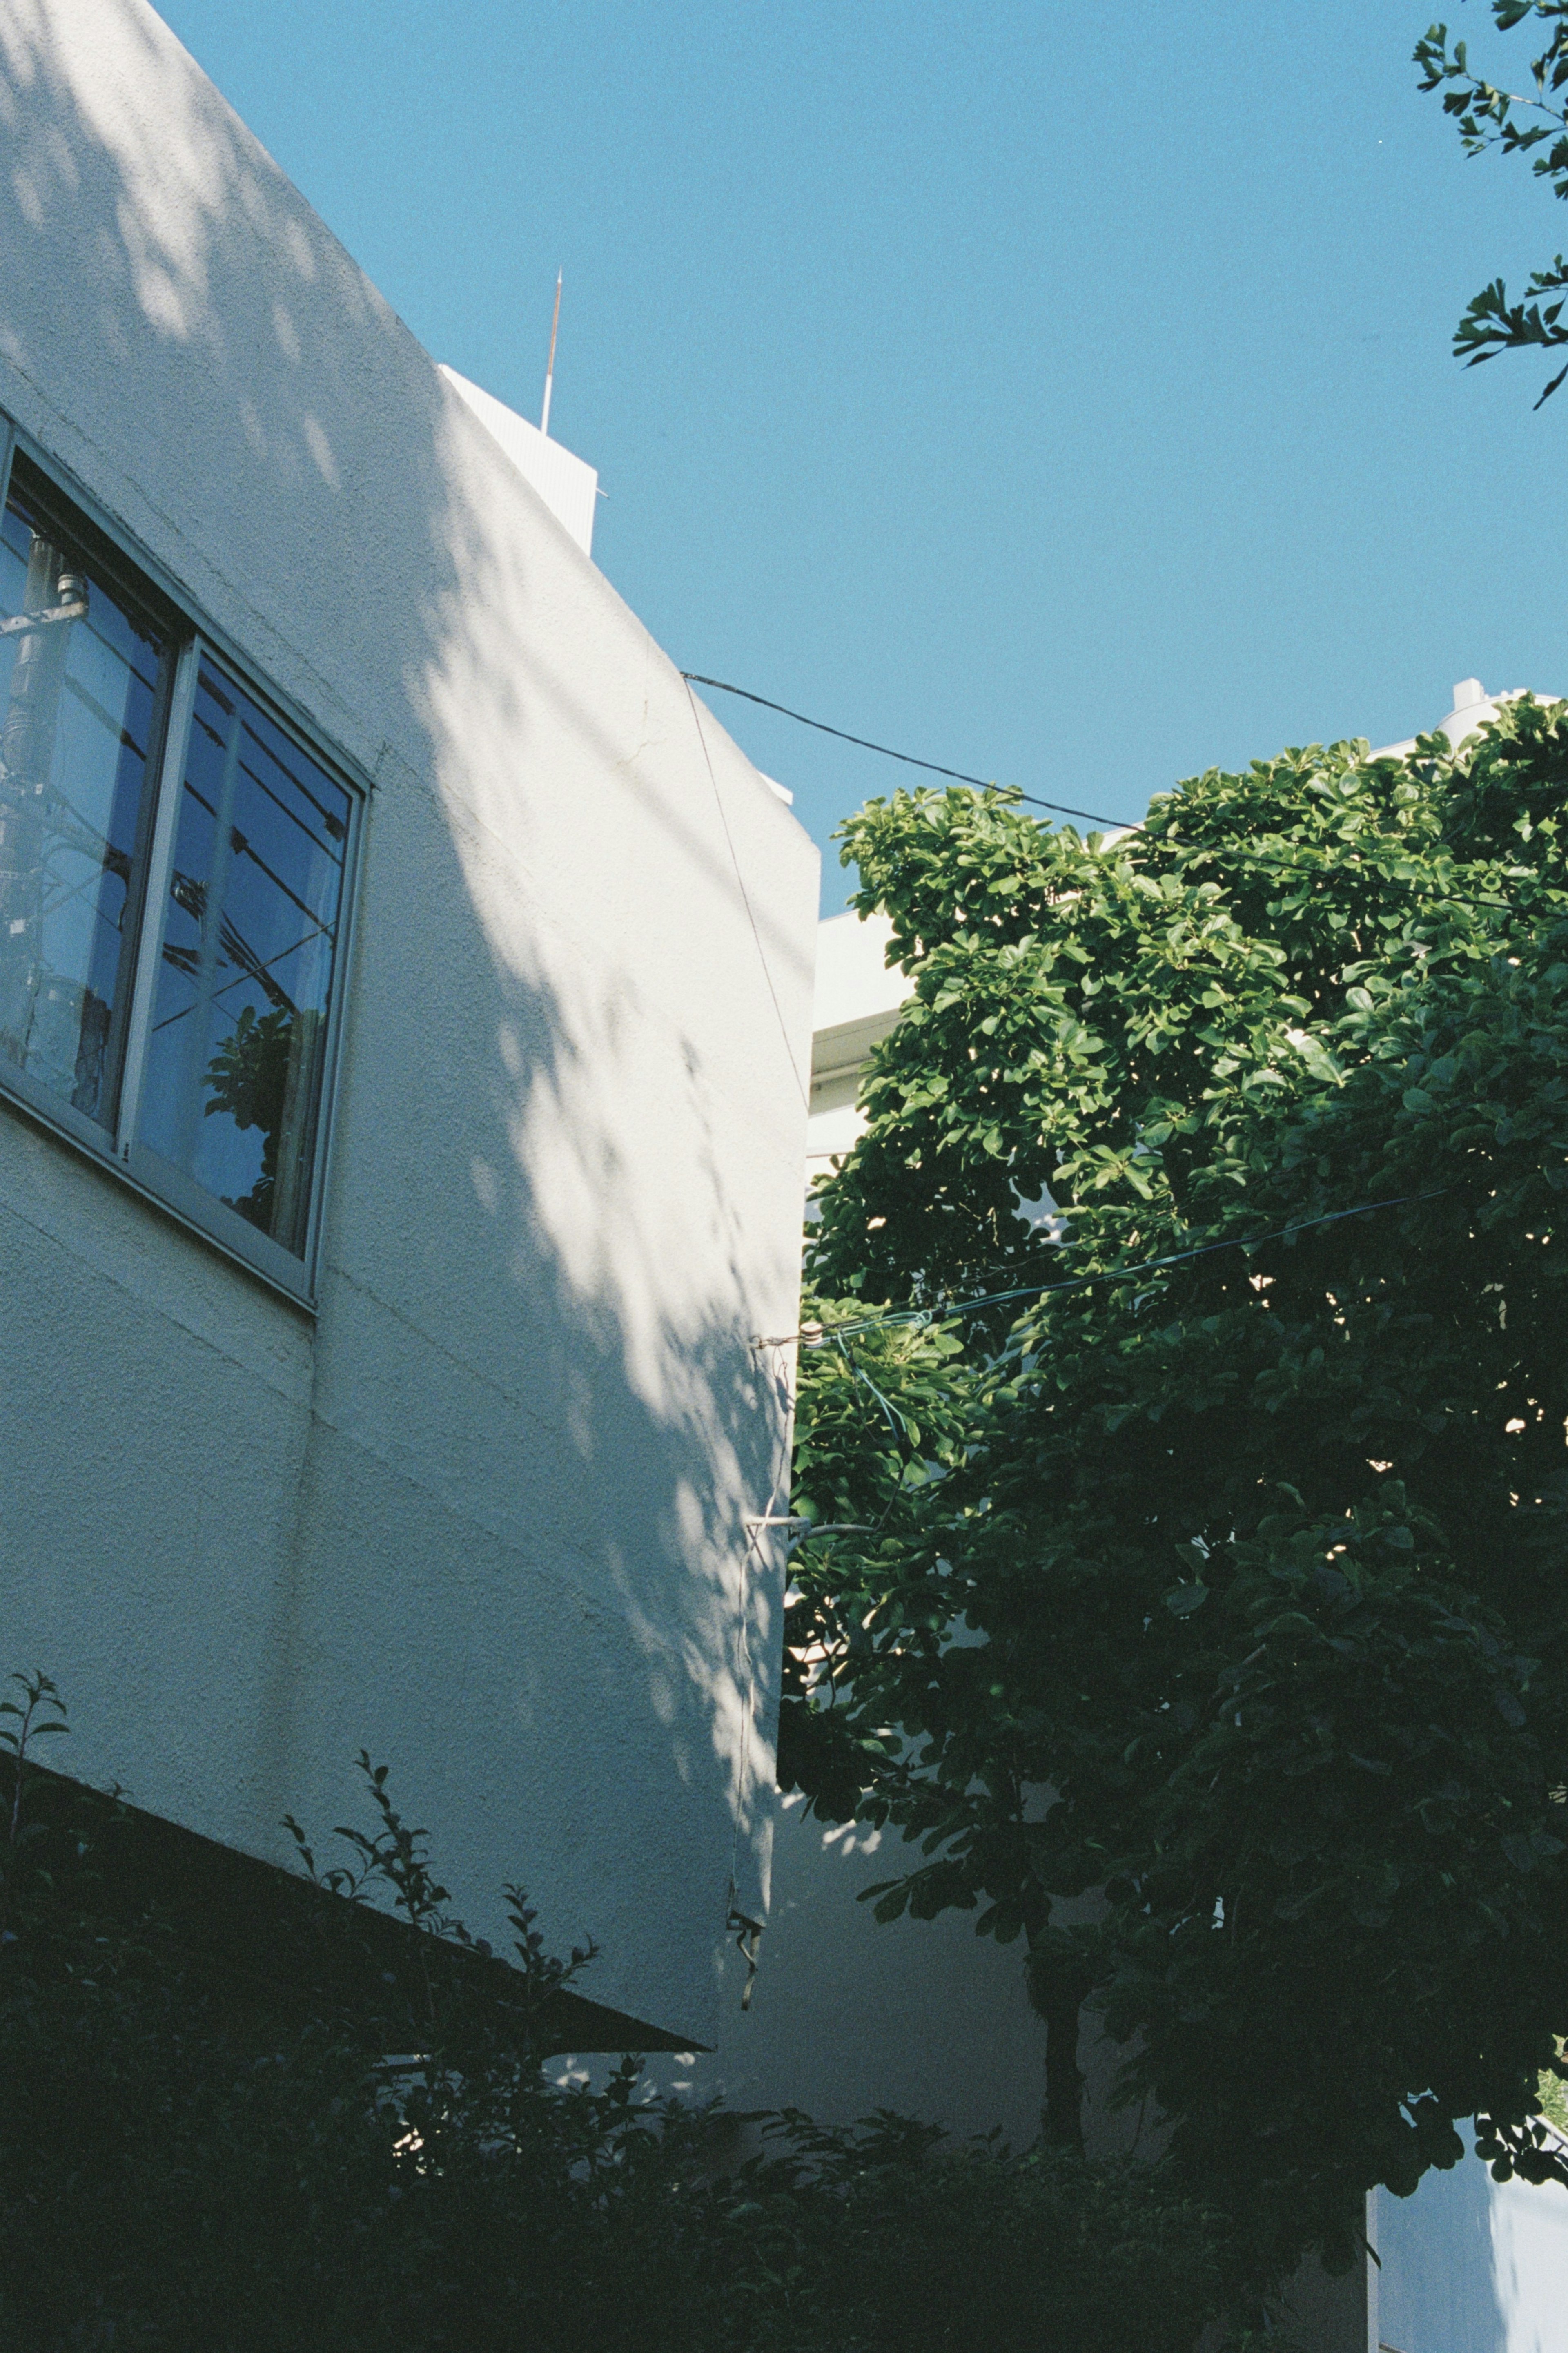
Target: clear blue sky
(1059, 390)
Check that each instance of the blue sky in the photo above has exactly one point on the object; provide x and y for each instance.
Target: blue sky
(1060, 391)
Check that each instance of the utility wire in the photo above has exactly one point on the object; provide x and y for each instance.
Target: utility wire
(988, 783)
(1060, 808)
(746, 899)
(817, 1334)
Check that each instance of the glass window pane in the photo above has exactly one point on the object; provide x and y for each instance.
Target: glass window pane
(83, 684)
(232, 1094)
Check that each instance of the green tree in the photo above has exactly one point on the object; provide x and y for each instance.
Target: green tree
(1532, 122)
(1233, 1586)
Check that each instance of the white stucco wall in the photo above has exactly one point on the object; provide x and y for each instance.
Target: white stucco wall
(484, 1514)
(1471, 2265)
(849, 2014)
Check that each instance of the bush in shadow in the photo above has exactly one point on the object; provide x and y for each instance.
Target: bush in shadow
(357, 2145)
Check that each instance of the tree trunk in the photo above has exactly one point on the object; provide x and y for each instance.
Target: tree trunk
(1058, 1988)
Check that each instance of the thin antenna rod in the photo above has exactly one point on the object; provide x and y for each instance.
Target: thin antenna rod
(549, 368)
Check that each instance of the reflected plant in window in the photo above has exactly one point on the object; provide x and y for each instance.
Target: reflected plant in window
(254, 1079)
(235, 1065)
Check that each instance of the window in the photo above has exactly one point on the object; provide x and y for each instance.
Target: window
(232, 1092)
(84, 685)
(174, 868)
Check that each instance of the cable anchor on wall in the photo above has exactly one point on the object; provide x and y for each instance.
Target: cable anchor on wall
(747, 1938)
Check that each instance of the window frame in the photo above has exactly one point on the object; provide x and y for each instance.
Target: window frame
(118, 1148)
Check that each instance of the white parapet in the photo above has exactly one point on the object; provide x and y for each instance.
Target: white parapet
(857, 1003)
(568, 485)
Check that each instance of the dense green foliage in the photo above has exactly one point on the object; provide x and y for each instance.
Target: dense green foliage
(1232, 1583)
(1534, 123)
(184, 2171)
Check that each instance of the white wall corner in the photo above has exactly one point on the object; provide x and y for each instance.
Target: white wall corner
(568, 485)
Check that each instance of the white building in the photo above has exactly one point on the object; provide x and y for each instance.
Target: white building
(856, 1004)
(405, 1016)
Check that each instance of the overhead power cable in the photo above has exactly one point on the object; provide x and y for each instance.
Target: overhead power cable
(819, 1334)
(987, 783)
(1014, 792)
(1060, 808)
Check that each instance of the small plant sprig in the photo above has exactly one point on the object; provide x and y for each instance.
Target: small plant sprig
(396, 1858)
(39, 1712)
(452, 2023)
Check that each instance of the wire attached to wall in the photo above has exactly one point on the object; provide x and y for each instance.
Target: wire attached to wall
(748, 1932)
(745, 896)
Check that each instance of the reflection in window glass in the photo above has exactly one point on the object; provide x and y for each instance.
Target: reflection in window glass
(82, 685)
(234, 1076)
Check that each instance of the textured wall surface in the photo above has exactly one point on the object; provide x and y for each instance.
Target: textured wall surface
(484, 1514)
(1472, 2266)
(849, 2014)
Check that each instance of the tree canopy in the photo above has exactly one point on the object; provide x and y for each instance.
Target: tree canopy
(1217, 1555)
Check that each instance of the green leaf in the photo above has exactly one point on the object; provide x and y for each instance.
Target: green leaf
(1182, 1600)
